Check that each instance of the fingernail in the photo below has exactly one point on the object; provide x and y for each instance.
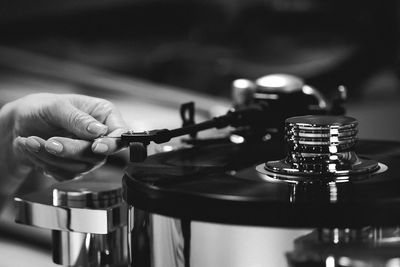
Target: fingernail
(32, 144)
(97, 128)
(100, 148)
(53, 147)
(20, 140)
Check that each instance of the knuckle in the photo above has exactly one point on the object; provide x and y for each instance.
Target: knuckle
(75, 119)
(106, 107)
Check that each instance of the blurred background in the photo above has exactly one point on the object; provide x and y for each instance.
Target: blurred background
(204, 45)
(150, 56)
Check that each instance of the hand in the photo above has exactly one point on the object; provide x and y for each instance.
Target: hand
(56, 133)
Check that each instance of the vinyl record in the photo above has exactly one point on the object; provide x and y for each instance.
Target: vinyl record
(220, 183)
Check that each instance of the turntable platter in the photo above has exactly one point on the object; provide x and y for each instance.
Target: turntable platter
(220, 184)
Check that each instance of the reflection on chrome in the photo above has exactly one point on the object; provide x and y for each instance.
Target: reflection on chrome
(333, 192)
(87, 220)
(85, 249)
(337, 247)
(160, 241)
(330, 262)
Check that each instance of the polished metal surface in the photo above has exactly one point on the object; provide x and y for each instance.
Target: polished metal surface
(37, 209)
(363, 247)
(281, 83)
(161, 241)
(85, 249)
(274, 87)
(242, 92)
(376, 235)
(87, 219)
(321, 145)
(87, 194)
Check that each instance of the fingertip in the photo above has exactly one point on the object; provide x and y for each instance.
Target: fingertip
(53, 146)
(100, 148)
(19, 140)
(19, 144)
(32, 144)
(97, 128)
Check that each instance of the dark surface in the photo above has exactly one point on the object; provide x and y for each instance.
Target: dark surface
(204, 45)
(219, 183)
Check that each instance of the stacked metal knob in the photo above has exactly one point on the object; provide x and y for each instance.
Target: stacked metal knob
(321, 145)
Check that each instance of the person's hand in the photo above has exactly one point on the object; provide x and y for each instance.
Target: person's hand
(59, 134)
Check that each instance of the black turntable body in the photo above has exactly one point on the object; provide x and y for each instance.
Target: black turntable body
(289, 184)
(220, 184)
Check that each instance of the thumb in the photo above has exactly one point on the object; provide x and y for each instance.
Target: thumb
(79, 123)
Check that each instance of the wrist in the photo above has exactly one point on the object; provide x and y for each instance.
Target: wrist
(12, 170)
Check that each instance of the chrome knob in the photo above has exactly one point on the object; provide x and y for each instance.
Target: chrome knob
(279, 83)
(245, 91)
(242, 92)
(321, 146)
(281, 88)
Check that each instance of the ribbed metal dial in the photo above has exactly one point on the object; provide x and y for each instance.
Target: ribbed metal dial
(319, 145)
(320, 134)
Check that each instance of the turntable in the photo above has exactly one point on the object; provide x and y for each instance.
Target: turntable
(288, 184)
